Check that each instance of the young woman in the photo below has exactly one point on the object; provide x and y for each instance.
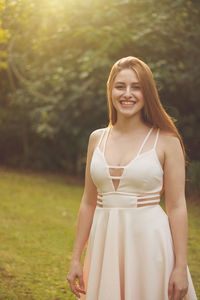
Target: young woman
(135, 250)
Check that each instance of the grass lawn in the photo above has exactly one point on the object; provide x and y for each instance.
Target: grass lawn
(38, 217)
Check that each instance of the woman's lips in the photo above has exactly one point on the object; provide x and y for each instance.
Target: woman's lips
(127, 103)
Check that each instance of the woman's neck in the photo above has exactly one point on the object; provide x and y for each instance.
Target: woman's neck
(128, 124)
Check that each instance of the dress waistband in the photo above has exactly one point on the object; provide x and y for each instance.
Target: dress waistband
(125, 200)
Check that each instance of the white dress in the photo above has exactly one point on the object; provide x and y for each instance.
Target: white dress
(130, 253)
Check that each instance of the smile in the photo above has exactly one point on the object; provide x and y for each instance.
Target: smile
(127, 102)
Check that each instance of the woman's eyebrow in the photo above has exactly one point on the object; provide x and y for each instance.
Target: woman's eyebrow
(134, 82)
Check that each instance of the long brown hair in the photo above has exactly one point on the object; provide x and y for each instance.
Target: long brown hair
(153, 112)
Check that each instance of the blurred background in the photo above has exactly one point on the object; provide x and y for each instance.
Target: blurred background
(55, 58)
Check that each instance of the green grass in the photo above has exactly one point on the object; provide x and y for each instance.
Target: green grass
(38, 217)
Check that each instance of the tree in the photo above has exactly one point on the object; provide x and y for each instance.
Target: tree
(60, 55)
(4, 36)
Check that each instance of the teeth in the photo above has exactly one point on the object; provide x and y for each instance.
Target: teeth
(127, 102)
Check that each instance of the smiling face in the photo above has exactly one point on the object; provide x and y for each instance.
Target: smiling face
(127, 96)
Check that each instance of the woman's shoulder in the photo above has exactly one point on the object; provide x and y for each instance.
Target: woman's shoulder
(96, 135)
(169, 141)
(167, 135)
(97, 132)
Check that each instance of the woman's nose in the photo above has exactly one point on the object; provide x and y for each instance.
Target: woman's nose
(127, 92)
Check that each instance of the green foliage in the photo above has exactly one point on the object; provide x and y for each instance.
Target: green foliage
(4, 36)
(60, 55)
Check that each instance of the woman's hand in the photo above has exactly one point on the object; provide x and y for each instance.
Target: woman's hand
(178, 284)
(76, 271)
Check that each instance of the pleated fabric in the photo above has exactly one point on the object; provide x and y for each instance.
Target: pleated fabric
(130, 255)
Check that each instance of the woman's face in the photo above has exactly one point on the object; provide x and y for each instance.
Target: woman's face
(127, 96)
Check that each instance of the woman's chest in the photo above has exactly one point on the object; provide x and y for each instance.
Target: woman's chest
(143, 173)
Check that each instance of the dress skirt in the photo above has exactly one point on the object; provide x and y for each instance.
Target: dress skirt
(130, 255)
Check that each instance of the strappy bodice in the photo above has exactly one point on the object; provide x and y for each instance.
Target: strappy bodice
(140, 179)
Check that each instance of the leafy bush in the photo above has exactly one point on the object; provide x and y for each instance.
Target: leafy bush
(59, 54)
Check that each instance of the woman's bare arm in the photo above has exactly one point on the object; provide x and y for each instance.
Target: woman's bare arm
(85, 217)
(88, 202)
(174, 185)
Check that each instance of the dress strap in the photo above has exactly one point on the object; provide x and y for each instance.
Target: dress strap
(101, 137)
(156, 139)
(106, 137)
(146, 138)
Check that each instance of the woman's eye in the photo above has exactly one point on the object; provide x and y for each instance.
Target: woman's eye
(137, 87)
